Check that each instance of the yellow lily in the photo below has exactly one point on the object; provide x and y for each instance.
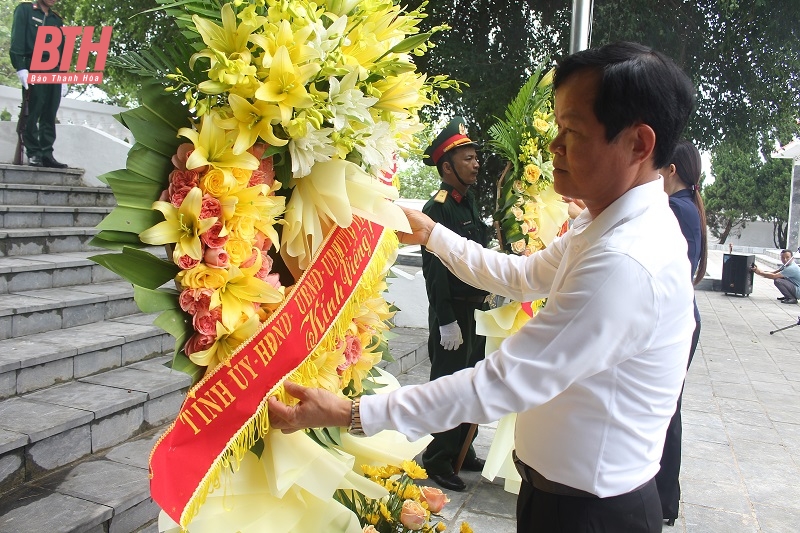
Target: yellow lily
(401, 93)
(253, 121)
(230, 39)
(240, 291)
(212, 146)
(181, 226)
(285, 85)
(228, 339)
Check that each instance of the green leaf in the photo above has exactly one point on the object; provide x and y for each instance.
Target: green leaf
(131, 219)
(116, 240)
(149, 164)
(151, 301)
(140, 195)
(150, 131)
(139, 267)
(181, 363)
(173, 321)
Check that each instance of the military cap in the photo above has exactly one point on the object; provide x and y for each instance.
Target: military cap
(453, 136)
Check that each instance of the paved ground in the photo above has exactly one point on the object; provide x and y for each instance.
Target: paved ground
(741, 412)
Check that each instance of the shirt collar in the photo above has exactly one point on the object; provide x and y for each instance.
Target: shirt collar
(630, 205)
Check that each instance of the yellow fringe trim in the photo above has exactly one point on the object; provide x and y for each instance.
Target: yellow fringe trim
(258, 424)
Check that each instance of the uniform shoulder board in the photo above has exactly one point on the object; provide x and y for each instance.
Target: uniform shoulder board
(440, 197)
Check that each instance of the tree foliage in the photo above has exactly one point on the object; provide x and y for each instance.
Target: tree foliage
(744, 60)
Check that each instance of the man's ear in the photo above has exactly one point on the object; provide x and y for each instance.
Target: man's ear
(643, 143)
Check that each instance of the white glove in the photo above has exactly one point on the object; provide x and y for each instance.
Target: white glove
(451, 336)
(23, 78)
(64, 90)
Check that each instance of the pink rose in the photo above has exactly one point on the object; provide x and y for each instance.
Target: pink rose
(211, 207)
(436, 498)
(264, 174)
(216, 257)
(250, 261)
(177, 195)
(412, 515)
(182, 154)
(262, 241)
(258, 149)
(187, 301)
(266, 268)
(164, 196)
(370, 529)
(198, 343)
(185, 262)
(274, 280)
(184, 178)
(211, 237)
(352, 351)
(205, 323)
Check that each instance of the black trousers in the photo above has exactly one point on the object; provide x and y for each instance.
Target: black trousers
(40, 129)
(669, 488)
(442, 452)
(543, 512)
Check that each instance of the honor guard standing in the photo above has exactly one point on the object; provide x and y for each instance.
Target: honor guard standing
(44, 98)
(453, 344)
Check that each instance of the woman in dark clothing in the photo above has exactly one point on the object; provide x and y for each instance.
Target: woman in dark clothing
(681, 183)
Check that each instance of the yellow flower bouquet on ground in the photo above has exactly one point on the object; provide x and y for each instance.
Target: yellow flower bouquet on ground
(264, 158)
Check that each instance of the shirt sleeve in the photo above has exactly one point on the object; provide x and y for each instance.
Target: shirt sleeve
(584, 329)
(19, 29)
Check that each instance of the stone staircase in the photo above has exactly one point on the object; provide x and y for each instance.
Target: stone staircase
(83, 387)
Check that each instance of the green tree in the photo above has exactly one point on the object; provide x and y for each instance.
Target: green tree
(731, 200)
(774, 185)
(418, 181)
(8, 75)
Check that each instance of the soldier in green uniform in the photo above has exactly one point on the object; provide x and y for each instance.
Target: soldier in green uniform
(453, 344)
(44, 99)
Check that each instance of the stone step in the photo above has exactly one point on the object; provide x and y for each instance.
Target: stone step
(18, 242)
(40, 176)
(35, 362)
(24, 194)
(45, 430)
(45, 271)
(37, 311)
(50, 216)
(106, 493)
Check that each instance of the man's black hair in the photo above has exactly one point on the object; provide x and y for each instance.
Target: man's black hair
(638, 85)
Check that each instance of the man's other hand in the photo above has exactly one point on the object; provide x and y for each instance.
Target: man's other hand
(23, 78)
(316, 408)
(421, 227)
(451, 336)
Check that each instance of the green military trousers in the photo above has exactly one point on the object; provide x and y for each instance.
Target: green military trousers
(441, 454)
(40, 129)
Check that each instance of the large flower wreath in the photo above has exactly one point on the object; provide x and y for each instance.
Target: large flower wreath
(529, 215)
(266, 170)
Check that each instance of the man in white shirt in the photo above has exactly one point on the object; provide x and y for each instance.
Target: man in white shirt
(595, 376)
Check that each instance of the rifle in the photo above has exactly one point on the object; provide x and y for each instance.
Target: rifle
(22, 122)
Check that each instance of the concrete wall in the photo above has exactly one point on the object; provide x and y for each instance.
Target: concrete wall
(83, 147)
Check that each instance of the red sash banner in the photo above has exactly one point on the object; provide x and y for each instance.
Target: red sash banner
(229, 404)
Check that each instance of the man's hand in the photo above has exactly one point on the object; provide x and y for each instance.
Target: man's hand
(23, 78)
(421, 226)
(317, 408)
(575, 206)
(64, 90)
(451, 336)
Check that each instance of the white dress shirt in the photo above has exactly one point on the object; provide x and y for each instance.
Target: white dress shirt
(595, 376)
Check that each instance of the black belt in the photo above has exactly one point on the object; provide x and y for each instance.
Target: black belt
(540, 482)
(470, 299)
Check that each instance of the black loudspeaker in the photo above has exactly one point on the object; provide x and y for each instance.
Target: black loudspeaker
(737, 278)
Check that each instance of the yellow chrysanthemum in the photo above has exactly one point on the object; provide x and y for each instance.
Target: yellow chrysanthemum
(413, 470)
